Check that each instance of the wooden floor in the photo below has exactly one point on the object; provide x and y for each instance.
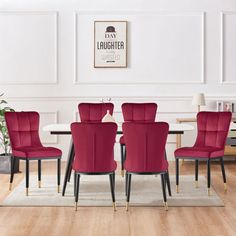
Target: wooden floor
(143, 221)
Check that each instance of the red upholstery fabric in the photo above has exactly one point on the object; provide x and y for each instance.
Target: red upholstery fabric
(145, 145)
(94, 112)
(138, 112)
(212, 133)
(94, 147)
(23, 129)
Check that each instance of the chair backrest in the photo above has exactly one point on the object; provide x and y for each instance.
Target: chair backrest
(212, 128)
(94, 112)
(23, 128)
(94, 146)
(145, 145)
(144, 112)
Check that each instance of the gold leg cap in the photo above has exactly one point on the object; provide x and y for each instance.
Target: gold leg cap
(58, 188)
(27, 191)
(122, 173)
(114, 206)
(225, 187)
(76, 206)
(10, 186)
(177, 188)
(166, 206)
(196, 184)
(209, 192)
(39, 183)
(127, 206)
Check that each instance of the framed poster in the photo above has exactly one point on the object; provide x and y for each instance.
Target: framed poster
(110, 44)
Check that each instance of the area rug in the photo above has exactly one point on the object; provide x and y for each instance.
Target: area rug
(95, 191)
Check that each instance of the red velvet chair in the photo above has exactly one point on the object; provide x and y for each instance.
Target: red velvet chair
(94, 112)
(136, 112)
(23, 129)
(145, 145)
(94, 152)
(210, 143)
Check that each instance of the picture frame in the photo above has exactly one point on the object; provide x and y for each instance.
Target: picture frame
(110, 44)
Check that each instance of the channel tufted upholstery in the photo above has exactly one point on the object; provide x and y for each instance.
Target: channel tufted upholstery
(94, 152)
(23, 129)
(94, 112)
(212, 133)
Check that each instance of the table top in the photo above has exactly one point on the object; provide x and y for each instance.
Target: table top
(66, 127)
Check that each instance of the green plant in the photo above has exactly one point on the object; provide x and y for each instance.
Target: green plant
(4, 138)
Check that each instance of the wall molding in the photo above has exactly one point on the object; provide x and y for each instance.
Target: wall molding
(41, 13)
(201, 14)
(222, 45)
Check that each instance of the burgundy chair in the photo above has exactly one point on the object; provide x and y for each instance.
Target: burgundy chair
(145, 145)
(94, 112)
(136, 112)
(94, 152)
(210, 143)
(23, 129)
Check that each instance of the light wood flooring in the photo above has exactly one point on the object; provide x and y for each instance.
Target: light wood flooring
(139, 221)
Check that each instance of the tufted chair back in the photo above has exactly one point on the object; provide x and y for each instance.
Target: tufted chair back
(212, 128)
(94, 112)
(23, 128)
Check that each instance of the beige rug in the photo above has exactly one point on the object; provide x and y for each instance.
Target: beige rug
(95, 191)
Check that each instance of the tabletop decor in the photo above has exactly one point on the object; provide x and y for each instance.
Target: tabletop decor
(5, 157)
(110, 44)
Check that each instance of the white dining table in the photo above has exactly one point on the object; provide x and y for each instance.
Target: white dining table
(64, 129)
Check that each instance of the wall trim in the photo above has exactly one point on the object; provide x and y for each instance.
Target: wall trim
(55, 14)
(76, 80)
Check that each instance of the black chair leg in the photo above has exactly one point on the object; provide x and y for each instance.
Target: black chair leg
(58, 174)
(126, 184)
(177, 174)
(39, 173)
(122, 147)
(74, 183)
(13, 163)
(27, 176)
(77, 182)
(128, 190)
(223, 172)
(69, 174)
(196, 173)
(112, 186)
(164, 190)
(209, 177)
(168, 182)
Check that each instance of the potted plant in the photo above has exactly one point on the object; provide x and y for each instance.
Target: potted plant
(5, 157)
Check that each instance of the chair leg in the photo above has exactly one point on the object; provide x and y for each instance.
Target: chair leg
(74, 183)
(58, 174)
(122, 159)
(196, 173)
(77, 182)
(164, 190)
(69, 174)
(39, 173)
(126, 184)
(13, 162)
(128, 190)
(177, 174)
(209, 177)
(27, 176)
(223, 172)
(112, 186)
(168, 182)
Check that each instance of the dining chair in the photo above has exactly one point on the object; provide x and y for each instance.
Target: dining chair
(23, 130)
(212, 130)
(135, 112)
(94, 153)
(94, 112)
(145, 145)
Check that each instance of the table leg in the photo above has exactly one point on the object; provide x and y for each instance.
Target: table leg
(68, 166)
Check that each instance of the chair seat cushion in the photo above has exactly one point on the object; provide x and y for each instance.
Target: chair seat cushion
(122, 140)
(200, 152)
(33, 152)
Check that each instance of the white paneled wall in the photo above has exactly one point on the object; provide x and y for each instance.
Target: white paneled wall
(175, 49)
